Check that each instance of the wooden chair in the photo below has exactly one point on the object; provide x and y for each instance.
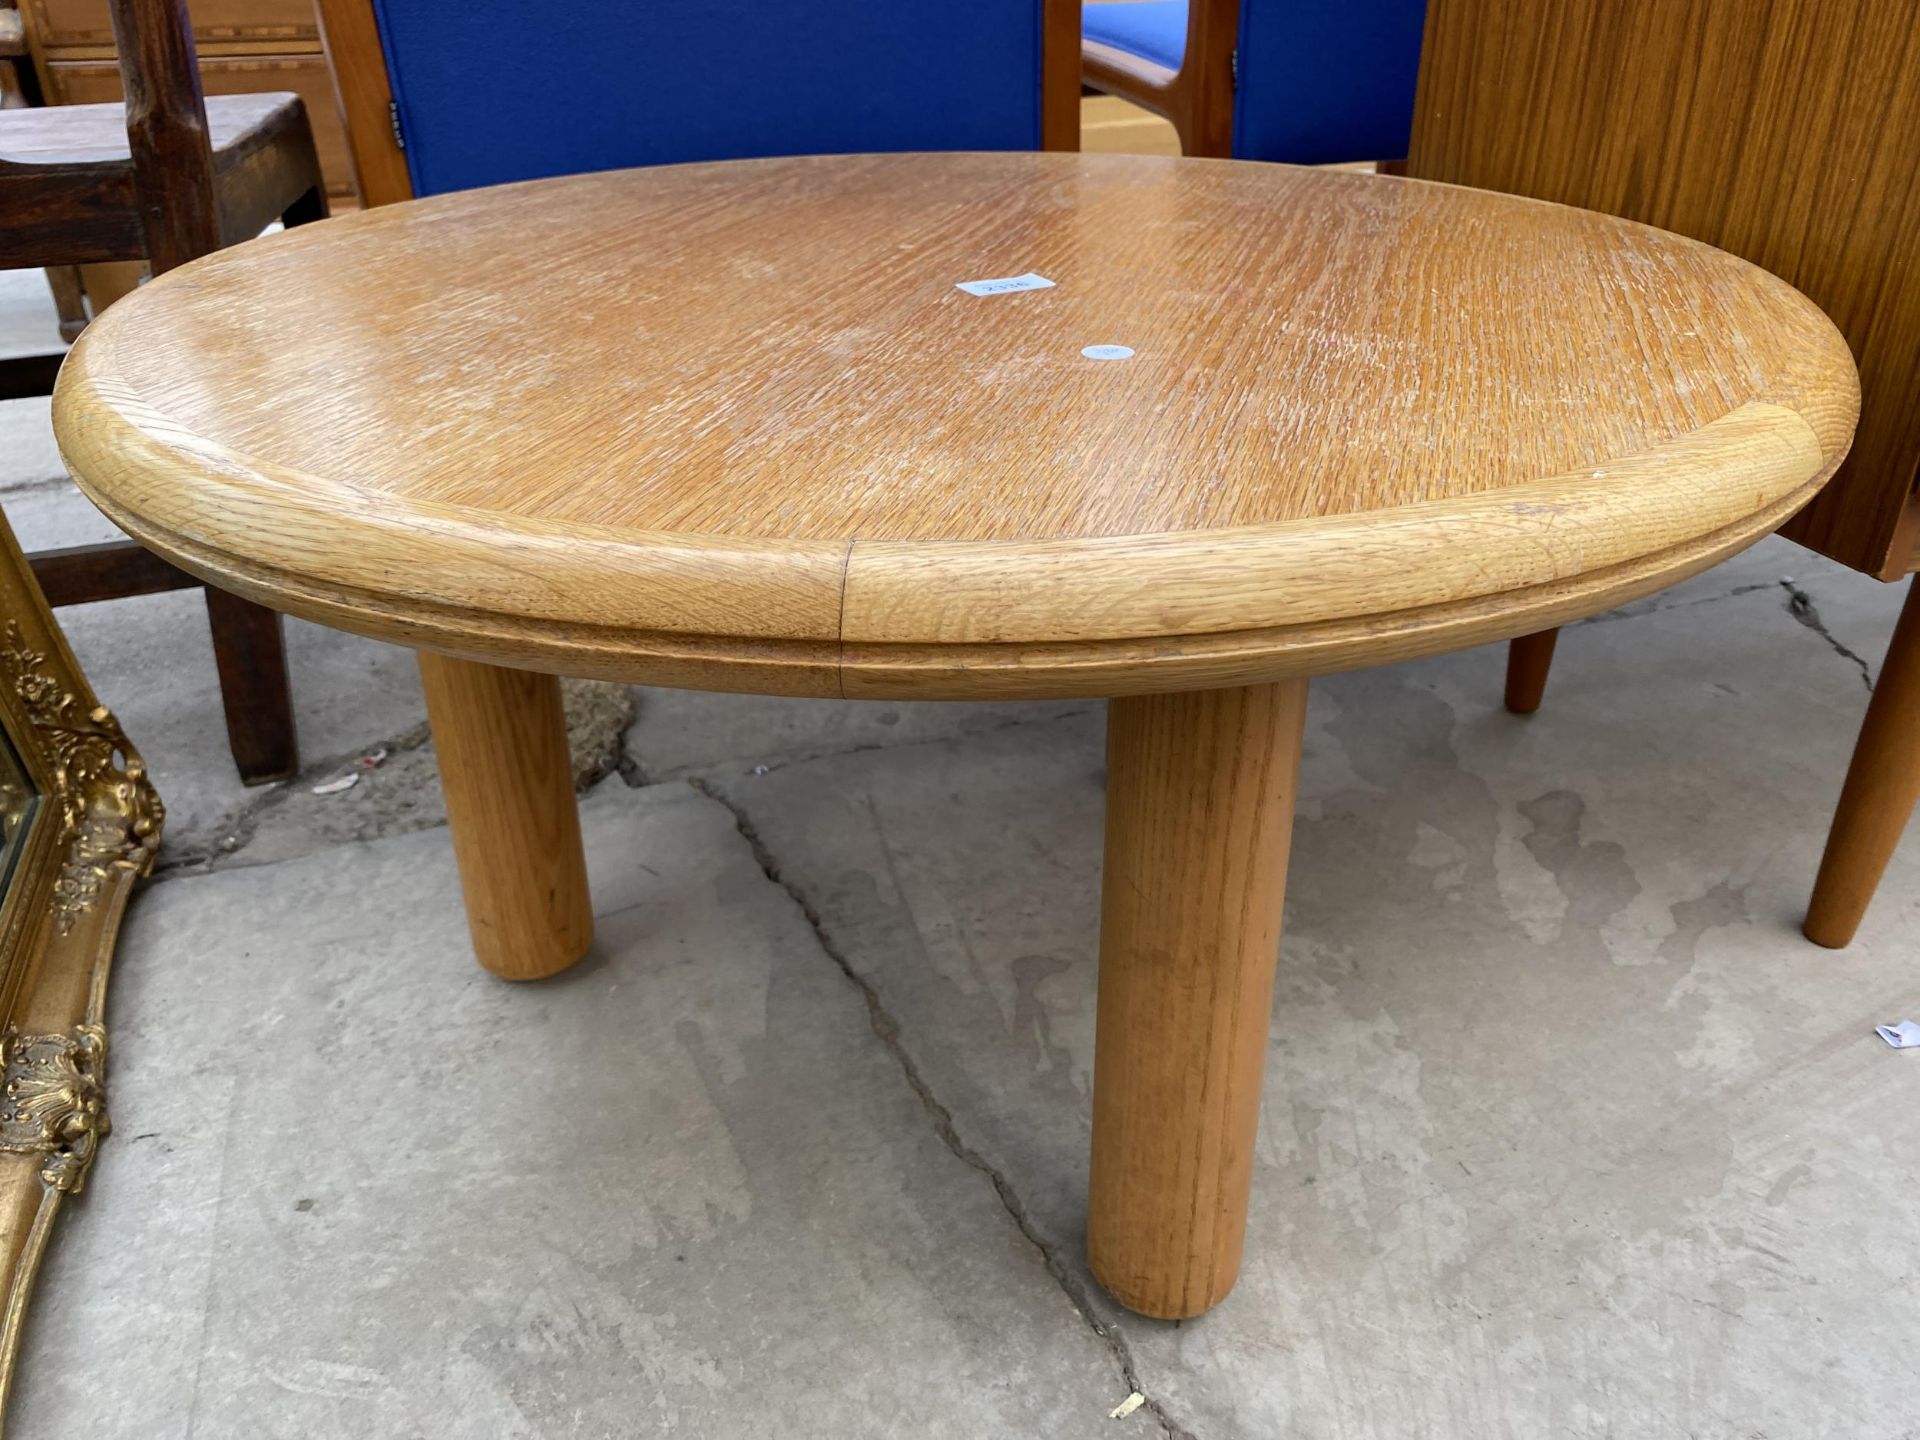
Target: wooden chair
(1788, 133)
(13, 57)
(680, 80)
(1301, 81)
(168, 177)
(19, 89)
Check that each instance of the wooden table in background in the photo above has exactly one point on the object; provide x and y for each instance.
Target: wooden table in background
(734, 427)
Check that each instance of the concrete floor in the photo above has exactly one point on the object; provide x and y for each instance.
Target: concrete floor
(1567, 1131)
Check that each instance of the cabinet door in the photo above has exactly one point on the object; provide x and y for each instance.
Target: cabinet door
(60, 23)
(89, 82)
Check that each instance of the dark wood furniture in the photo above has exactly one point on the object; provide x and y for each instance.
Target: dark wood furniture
(1788, 133)
(13, 52)
(163, 179)
(243, 47)
(20, 88)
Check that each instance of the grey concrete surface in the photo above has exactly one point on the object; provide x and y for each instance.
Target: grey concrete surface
(1566, 1131)
(29, 325)
(370, 1191)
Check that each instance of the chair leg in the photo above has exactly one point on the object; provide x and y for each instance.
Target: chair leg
(311, 206)
(249, 648)
(1529, 657)
(69, 300)
(1882, 785)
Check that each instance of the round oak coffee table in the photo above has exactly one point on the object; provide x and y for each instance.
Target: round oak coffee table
(1217, 428)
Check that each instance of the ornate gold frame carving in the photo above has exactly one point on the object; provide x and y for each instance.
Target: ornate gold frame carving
(93, 833)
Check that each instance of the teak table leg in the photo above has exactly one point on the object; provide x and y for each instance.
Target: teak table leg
(1199, 814)
(501, 740)
(1883, 782)
(1529, 658)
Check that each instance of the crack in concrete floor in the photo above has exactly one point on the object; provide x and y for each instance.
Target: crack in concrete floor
(1800, 606)
(243, 824)
(1659, 603)
(34, 484)
(859, 747)
(887, 1030)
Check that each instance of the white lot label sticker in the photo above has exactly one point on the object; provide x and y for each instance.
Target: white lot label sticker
(1107, 352)
(1899, 1036)
(1006, 286)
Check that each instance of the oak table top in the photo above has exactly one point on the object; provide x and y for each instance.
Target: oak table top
(736, 426)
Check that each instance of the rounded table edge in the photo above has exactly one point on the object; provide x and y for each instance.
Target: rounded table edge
(682, 609)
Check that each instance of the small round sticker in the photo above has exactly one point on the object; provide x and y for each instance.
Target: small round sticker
(1107, 352)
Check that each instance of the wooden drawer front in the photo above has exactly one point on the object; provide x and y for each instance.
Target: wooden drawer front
(92, 82)
(85, 22)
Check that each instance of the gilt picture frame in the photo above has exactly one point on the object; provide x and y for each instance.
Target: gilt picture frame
(80, 823)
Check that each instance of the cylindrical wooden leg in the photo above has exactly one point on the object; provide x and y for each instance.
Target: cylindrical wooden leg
(1200, 793)
(1882, 784)
(1529, 658)
(501, 739)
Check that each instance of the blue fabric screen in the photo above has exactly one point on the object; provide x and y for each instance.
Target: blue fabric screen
(511, 90)
(1326, 80)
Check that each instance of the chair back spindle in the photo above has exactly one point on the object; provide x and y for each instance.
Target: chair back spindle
(167, 131)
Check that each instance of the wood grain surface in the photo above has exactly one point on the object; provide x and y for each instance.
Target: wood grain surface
(68, 183)
(733, 425)
(1529, 659)
(351, 37)
(85, 134)
(1199, 820)
(500, 738)
(1786, 131)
